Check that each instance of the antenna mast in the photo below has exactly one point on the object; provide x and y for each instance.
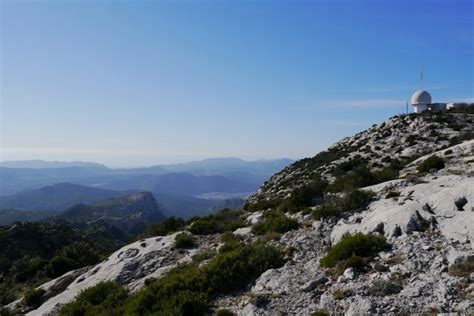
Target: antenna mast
(421, 77)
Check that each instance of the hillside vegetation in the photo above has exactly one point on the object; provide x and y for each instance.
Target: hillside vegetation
(370, 157)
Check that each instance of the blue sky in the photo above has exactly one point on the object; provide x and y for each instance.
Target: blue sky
(130, 83)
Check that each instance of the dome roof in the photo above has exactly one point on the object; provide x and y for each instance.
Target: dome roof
(421, 97)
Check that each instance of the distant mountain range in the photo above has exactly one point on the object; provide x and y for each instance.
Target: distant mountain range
(227, 173)
(57, 197)
(185, 189)
(131, 213)
(38, 204)
(43, 164)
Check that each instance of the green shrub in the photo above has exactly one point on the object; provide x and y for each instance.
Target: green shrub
(359, 245)
(101, 299)
(220, 222)
(325, 210)
(320, 312)
(188, 289)
(462, 268)
(229, 246)
(81, 253)
(304, 196)
(230, 237)
(448, 152)
(5, 312)
(6, 295)
(260, 300)
(184, 240)
(224, 312)
(59, 265)
(356, 178)
(167, 226)
(357, 200)
(386, 174)
(204, 255)
(204, 227)
(432, 162)
(276, 222)
(261, 205)
(355, 262)
(33, 298)
(392, 194)
(384, 288)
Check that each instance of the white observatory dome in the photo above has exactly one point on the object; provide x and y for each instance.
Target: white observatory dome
(421, 97)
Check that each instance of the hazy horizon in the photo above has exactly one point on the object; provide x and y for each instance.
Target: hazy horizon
(139, 83)
(149, 165)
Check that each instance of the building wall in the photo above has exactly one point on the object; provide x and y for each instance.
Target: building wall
(438, 106)
(420, 108)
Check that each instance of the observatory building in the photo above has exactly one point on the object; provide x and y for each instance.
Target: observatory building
(421, 100)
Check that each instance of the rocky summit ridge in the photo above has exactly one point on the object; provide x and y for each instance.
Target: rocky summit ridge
(420, 200)
(400, 139)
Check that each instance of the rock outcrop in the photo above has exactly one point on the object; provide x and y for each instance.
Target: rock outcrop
(399, 138)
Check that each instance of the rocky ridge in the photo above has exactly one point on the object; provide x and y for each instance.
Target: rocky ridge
(401, 138)
(417, 268)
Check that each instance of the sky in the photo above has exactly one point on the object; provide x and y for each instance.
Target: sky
(135, 83)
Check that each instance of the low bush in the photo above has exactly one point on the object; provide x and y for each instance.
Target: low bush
(356, 178)
(392, 194)
(260, 300)
(230, 237)
(185, 290)
(59, 265)
(220, 222)
(188, 289)
(385, 174)
(184, 240)
(224, 312)
(462, 269)
(167, 226)
(204, 255)
(261, 205)
(432, 162)
(304, 196)
(384, 288)
(325, 210)
(6, 295)
(33, 298)
(359, 244)
(355, 262)
(275, 222)
(357, 200)
(101, 299)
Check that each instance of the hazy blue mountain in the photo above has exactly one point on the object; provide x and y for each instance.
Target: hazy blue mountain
(13, 180)
(131, 213)
(59, 197)
(180, 184)
(8, 216)
(43, 164)
(256, 171)
(55, 197)
(245, 173)
(188, 206)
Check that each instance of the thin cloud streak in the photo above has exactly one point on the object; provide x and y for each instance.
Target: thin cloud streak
(368, 103)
